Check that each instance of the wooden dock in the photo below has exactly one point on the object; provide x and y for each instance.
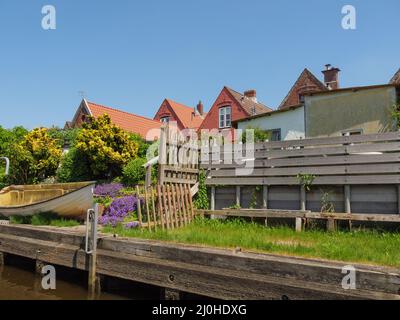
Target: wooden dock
(215, 273)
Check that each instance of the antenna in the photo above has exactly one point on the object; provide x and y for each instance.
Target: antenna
(82, 94)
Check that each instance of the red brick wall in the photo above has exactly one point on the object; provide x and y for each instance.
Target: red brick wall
(224, 99)
(165, 111)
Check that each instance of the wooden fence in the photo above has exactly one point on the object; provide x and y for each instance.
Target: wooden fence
(166, 206)
(358, 163)
(178, 157)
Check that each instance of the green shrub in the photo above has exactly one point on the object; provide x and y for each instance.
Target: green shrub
(73, 167)
(201, 201)
(134, 173)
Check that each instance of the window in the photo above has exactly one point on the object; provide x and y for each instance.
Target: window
(165, 119)
(351, 132)
(225, 117)
(276, 135)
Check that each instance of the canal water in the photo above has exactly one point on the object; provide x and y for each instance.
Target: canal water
(18, 281)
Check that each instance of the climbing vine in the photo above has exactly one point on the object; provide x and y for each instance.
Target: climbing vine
(395, 113)
(306, 180)
(201, 201)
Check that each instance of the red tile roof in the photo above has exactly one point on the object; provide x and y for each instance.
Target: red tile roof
(305, 83)
(251, 107)
(185, 115)
(127, 121)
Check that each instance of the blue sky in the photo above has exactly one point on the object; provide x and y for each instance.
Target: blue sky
(133, 54)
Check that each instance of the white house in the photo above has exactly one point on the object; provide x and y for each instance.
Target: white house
(285, 124)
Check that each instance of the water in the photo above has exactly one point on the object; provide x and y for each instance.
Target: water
(20, 284)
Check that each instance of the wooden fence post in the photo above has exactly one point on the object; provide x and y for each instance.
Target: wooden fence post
(347, 201)
(238, 195)
(212, 200)
(398, 198)
(162, 153)
(265, 201)
(303, 198)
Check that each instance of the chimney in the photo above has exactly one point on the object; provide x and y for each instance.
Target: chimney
(200, 108)
(251, 94)
(331, 77)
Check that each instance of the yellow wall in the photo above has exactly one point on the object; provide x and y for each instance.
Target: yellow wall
(331, 114)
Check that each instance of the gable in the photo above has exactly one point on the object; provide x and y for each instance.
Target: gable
(396, 78)
(306, 83)
(186, 117)
(225, 98)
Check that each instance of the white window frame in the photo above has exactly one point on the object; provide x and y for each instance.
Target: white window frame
(223, 120)
(165, 119)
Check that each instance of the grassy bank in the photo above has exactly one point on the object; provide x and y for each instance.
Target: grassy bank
(371, 247)
(44, 219)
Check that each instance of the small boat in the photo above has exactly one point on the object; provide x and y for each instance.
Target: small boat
(70, 200)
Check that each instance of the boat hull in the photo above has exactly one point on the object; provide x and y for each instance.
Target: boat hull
(71, 204)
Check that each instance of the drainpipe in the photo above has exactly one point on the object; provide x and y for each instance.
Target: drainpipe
(7, 164)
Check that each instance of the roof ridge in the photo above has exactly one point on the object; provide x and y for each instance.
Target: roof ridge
(183, 105)
(242, 94)
(122, 111)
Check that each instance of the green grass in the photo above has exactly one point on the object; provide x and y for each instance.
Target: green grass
(44, 219)
(371, 247)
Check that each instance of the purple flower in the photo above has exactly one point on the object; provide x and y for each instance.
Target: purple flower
(108, 190)
(118, 210)
(131, 225)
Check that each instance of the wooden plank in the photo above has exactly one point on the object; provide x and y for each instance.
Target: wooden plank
(175, 207)
(181, 169)
(311, 161)
(139, 206)
(320, 170)
(212, 200)
(265, 197)
(162, 160)
(313, 142)
(302, 198)
(153, 208)
(228, 274)
(270, 213)
(179, 180)
(319, 180)
(347, 198)
(184, 207)
(238, 195)
(147, 208)
(190, 201)
(166, 208)
(160, 206)
(171, 208)
(299, 224)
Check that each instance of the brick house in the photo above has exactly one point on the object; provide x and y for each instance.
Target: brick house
(231, 105)
(396, 78)
(185, 117)
(307, 83)
(147, 128)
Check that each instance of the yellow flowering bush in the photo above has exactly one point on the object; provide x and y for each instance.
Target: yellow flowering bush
(105, 146)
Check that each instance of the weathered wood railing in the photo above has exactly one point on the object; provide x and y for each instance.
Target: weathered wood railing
(359, 160)
(167, 207)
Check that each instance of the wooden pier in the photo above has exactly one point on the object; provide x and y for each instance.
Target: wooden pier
(215, 273)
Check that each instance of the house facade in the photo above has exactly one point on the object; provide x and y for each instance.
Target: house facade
(148, 129)
(360, 110)
(288, 121)
(230, 106)
(285, 124)
(184, 116)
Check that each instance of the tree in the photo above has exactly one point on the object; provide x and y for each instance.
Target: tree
(7, 139)
(36, 157)
(106, 147)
